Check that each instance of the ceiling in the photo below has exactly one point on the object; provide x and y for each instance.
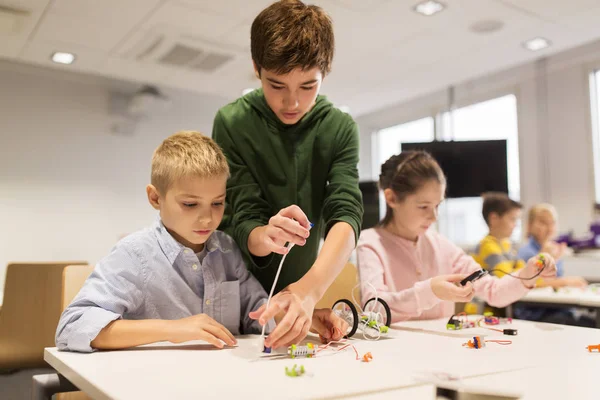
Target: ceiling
(385, 52)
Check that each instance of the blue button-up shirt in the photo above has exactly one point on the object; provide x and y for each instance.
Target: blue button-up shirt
(531, 249)
(149, 275)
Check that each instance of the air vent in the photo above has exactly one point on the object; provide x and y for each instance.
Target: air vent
(178, 50)
(211, 62)
(180, 55)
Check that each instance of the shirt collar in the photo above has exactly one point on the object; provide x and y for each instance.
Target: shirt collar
(534, 243)
(172, 248)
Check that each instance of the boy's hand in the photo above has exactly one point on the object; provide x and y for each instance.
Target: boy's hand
(573, 281)
(328, 325)
(296, 322)
(445, 288)
(289, 225)
(556, 250)
(531, 269)
(200, 327)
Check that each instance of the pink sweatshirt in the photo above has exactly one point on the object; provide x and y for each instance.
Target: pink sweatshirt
(401, 271)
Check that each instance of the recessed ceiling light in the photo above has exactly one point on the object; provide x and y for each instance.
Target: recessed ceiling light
(246, 91)
(536, 44)
(429, 8)
(63, 58)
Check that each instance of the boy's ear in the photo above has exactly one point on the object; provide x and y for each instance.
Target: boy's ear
(494, 216)
(256, 69)
(390, 197)
(153, 196)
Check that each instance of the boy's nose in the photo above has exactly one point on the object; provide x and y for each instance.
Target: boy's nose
(291, 101)
(205, 217)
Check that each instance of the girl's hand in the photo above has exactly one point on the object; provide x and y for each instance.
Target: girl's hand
(445, 288)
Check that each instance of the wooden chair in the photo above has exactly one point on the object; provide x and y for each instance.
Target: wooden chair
(74, 277)
(342, 287)
(30, 311)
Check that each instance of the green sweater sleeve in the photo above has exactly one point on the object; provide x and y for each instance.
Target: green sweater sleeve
(343, 198)
(243, 195)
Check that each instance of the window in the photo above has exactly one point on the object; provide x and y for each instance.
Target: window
(489, 120)
(595, 96)
(389, 142)
(460, 220)
(390, 139)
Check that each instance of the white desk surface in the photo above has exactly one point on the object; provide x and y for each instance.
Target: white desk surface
(572, 380)
(586, 264)
(415, 354)
(589, 297)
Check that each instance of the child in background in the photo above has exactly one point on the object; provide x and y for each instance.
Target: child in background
(541, 228)
(180, 279)
(495, 251)
(415, 269)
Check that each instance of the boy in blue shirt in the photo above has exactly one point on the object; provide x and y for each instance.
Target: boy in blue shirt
(541, 229)
(180, 279)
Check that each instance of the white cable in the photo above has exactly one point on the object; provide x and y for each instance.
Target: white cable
(289, 247)
(362, 311)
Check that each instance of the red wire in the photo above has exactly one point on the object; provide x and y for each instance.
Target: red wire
(502, 342)
(493, 329)
(323, 347)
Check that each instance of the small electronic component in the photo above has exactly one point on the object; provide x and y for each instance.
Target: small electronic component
(593, 347)
(540, 262)
(474, 277)
(368, 357)
(295, 371)
(476, 343)
(299, 351)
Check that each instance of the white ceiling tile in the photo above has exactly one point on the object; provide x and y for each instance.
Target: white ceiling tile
(244, 8)
(105, 10)
(9, 48)
(554, 10)
(34, 10)
(238, 36)
(99, 25)
(363, 6)
(193, 21)
(84, 31)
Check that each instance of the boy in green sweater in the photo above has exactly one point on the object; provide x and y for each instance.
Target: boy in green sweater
(293, 158)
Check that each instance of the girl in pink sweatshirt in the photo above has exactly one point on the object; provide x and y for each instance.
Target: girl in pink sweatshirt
(415, 269)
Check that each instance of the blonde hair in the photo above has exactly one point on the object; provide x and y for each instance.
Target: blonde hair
(186, 153)
(536, 210)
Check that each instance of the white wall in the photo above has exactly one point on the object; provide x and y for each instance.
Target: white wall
(555, 135)
(69, 189)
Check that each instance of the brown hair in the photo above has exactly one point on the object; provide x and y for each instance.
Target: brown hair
(499, 203)
(406, 173)
(186, 153)
(289, 34)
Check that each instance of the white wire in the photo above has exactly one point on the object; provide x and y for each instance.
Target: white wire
(289, 247)
(362, 311)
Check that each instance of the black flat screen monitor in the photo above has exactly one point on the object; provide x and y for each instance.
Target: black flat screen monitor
(471, 167)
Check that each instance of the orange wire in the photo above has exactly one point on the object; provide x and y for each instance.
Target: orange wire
(502, 342)
(323, 347)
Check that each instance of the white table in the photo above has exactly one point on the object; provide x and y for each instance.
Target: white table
(565, 297)
(562, 366)
(415, 354)
(585, 264)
